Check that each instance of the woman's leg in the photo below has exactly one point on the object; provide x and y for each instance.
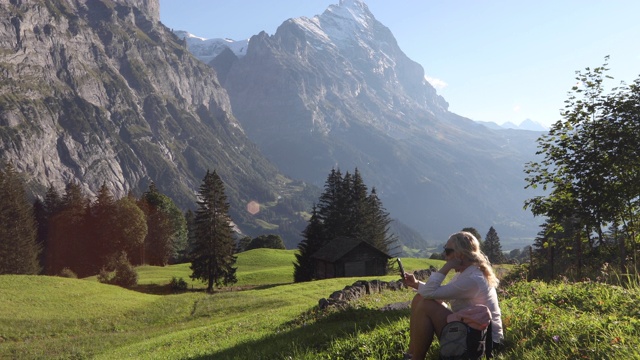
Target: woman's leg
(428, 317)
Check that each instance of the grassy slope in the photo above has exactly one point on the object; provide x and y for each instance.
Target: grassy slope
(49, 317)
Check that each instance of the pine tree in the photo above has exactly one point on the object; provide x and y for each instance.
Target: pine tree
(213, 253)
(313, 239)
(101, 227)
(51, 205)
(379, 223)
(344, 211)
(492, 248)
(67, 231)
(19, 250)
(330, 203)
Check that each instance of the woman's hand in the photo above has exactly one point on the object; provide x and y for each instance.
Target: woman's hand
(452, 263)
(410, 280)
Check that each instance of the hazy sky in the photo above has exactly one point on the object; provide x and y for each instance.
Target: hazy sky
(500, 61)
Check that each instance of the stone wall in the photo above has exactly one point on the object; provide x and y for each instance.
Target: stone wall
(341, 298)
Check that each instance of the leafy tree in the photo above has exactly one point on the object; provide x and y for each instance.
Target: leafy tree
(131, 229)
(266, 241)
(19, 250)
(591, 167)
(119, 271)
(167, 227)
(213, 253)
(474, 232)
(243, 243)
(492, 248)
(190, 218)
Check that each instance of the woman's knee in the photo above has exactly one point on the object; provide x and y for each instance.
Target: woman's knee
(426, 306)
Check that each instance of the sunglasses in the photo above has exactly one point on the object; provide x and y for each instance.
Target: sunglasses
(448, 251)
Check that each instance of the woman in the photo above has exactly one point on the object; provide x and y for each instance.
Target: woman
(474, 284)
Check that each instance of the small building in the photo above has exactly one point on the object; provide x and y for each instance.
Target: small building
(347, 257)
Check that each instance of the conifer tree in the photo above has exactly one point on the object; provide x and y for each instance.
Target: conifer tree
(101, 227)
(213, 253)
(379, 222)
(44, 212)
(19, 250)
(329, 205)
(492, 248)
(313, 238)
(67, 232)
(344, 211)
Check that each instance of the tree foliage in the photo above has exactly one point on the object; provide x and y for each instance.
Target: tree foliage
(166, 228)
(19, 250)
(492, 247)
(68, 232)
(591, 172)
(266, 241)
(119, 271)
(213, 253)
(474, 232)
(346, 209)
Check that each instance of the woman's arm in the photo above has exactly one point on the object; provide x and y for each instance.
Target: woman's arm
(459, 289)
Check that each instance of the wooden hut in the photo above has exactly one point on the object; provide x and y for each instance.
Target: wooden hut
(347, 257)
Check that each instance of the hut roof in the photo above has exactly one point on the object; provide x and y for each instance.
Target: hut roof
(340, 247)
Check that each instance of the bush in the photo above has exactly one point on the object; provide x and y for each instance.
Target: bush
(119, 272)
(178, 285)
(518, 273)
(68, 273)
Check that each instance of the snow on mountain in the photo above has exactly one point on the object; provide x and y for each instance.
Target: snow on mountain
(527, 124)
(207, 49)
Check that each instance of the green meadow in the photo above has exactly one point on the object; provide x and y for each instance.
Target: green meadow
(266, 316)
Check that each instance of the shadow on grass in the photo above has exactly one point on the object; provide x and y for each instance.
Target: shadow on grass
(297, 337)
(165, 289)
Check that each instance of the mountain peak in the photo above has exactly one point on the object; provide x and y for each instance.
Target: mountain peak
(354, 5)
(351, 10)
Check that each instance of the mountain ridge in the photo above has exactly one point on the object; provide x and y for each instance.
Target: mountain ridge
(353, 99)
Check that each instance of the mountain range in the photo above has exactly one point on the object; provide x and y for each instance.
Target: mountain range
(100, 91)
(338, 88)
(527, 124)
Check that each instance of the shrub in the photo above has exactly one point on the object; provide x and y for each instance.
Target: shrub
(68, 273)
(119, 272)
(178, 285)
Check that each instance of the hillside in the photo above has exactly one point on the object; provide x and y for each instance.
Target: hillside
(60, 318)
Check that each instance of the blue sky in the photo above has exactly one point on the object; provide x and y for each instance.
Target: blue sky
(499, 61)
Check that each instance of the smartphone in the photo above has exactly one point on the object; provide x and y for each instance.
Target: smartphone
(401, 267)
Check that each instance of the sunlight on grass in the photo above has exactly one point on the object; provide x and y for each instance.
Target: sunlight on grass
(58, 318)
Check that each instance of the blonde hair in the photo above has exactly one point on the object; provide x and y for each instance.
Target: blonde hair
(466, 244)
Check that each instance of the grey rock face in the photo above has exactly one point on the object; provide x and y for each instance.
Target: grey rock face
(99, 91)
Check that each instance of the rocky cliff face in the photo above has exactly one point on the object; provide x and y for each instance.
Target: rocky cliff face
(337, 91)
(99, 91)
